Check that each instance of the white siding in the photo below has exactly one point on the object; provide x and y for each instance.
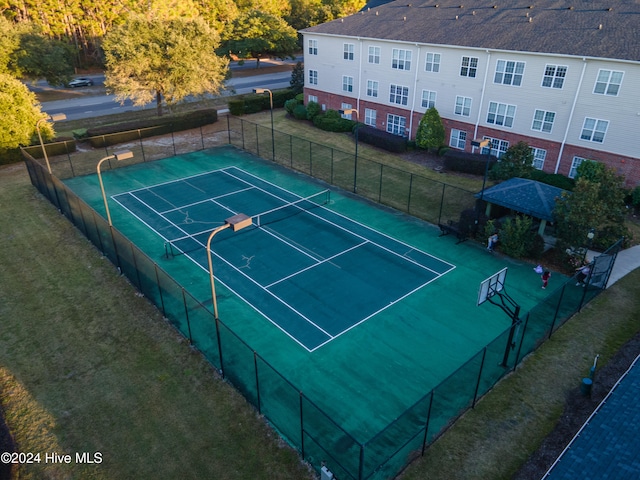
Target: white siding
(568, 103)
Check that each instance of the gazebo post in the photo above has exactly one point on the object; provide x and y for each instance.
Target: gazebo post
(543, 225)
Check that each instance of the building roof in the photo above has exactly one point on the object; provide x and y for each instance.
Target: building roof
(607, 445)
(525, 196)
(584, 28)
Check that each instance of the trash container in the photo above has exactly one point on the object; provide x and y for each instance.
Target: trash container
(585, 388)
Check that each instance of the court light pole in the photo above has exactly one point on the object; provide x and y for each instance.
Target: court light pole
(237, 222)
(118, 156)
(273, 143)
(349, 111)
(56, 117)
(481, 143)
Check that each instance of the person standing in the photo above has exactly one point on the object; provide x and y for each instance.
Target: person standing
(492, 241)
(583, 273)
(545, 278)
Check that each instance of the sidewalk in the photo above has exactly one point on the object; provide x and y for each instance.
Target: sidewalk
(626, 261)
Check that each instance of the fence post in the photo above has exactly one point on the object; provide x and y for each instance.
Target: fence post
(426, 425)
(475, 395)
(186, 314)
(441, 204)
(301, 428)
(555, 314)
(219, 347)
(228, 129)
(255, 366)
(410, 192)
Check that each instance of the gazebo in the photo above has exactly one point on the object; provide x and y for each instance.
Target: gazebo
(525, 196)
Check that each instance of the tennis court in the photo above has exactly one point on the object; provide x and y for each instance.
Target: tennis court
(313, 273)
(361, 310)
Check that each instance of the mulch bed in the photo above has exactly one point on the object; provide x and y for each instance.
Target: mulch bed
(577, 410)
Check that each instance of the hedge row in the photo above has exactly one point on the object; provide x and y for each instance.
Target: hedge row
(125, 132)
(466, 162)
(382, 139)
(256, 102)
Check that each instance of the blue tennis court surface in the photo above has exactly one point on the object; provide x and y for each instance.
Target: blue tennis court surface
(312, 272)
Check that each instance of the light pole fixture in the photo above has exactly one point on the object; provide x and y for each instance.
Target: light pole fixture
(56, 117)
(118, 156)
(481, 143)
(237, 222)
(273, 143)
(349, 111)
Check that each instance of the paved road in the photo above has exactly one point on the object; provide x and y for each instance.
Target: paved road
(94, 106)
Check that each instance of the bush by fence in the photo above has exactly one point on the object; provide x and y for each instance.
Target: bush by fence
(381, 139)
(465, 162)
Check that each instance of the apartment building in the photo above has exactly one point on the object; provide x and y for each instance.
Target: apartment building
(561, 75)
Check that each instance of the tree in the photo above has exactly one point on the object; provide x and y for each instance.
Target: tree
(517, 161)
(154, 57)
(42, 57)
(256, 34)
(19, 114)
(596, 204)
(297, 78)
(430, 134)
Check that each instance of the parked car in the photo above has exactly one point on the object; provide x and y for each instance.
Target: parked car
(80, 82)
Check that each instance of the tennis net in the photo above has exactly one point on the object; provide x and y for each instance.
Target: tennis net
(190, 243)
(294, 208)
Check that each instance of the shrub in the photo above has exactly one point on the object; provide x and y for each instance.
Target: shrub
(290, 104)
(554, 179)
(313, 110)
(385, 140)
(331, 121)
(127, 131)
(466, 162)
(635, 198)
(300, 112)
(515, 236)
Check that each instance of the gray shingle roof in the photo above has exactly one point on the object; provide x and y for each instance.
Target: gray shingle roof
(591, 28)
(530, 197)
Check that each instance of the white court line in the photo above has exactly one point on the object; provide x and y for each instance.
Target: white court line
(319, 262)
(265, 288)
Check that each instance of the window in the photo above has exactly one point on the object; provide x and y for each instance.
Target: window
(313, 47)
(469, 67)
(372, 88)
(463, 106)
(313, 77)
(501, 114)
(498, 147)
(543, 121)
(396, 124)
(608, 82)
(594, 130)
(369, 117)
(428, 99)
(374, 55)
(348, 51)
(539, 155)
(398, 94)
(554, 76)
(509, 73)
(313, 98)
(458, 139)
(346, 106)
(433, 63)
(347, 83)
(574, 166)
(401, 59)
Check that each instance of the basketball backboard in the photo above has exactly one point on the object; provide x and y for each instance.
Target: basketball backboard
(492, 285)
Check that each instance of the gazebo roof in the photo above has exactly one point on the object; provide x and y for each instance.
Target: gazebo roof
(525, 196)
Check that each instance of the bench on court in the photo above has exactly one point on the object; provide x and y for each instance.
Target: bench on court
(453, 228)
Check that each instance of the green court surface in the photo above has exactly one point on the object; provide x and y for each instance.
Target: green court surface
(362, 308)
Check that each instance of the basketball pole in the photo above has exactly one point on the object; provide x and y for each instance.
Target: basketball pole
(513, 310)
